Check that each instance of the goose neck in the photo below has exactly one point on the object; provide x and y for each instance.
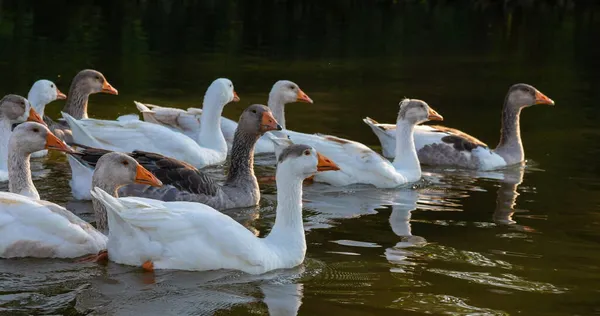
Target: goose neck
(19, 171)
(77, 102)
(211, 135)
(241, 164)
(5, 131)
(277, 107)
(288, 230)
(99, 208)
(510, 146)
(406, 159)
(38, 104)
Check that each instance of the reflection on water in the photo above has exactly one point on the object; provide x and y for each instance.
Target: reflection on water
(520, 240)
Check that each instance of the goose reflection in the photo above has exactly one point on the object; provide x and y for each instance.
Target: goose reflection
(402, 207)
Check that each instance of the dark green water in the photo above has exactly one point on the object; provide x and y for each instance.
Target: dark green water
(520, 241)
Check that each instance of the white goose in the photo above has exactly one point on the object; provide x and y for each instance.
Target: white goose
(30, 227)
(443, 146)
(41, 94)
(13, 109)
(359, 164)
(130, 135)
(189, 122)
(192, 236)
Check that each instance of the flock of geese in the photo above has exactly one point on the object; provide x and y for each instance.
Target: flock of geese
(154, 208)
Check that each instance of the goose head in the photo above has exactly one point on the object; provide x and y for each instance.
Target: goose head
(257, 119)
(303, 161)
(14, 108)
(288, 92)
(522, 95)
(30, 137)
(416, 111)
(43, 92)
(89, 81)
(118, 169)
(220, 92)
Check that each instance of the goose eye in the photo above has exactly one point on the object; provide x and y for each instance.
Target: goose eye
(36, 130)
(307, 152)
(51, 86)
(97, 77)
(292, 87)
(125, 163)
(230, 85)
(254, 111)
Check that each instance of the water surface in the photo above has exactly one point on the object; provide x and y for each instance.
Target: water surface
(517, 241)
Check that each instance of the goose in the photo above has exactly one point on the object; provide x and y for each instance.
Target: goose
(130, 135)
(155, 234)
(186, 183)
(30, 227)
(13, 110)
(443, 146)
(188, 122)
(360, 164)
(41, 93)
(86, 82)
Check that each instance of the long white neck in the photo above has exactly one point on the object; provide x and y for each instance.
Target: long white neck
(287, 235)
(19, 172)
(37, 102)
(277, 106)
(406, 161)
(211, 135)
(5, 131)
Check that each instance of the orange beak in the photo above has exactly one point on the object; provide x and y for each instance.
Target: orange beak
(268, 123)
(325, 164)
(34, 117)
(60, 95)
(434, 116)
(107, 88)
(53, 143)
(143, 176)
(540, 98)
(235, 97)
(303, 97)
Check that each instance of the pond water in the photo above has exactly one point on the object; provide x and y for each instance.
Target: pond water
(525, 240)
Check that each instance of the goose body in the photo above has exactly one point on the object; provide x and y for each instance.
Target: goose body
(36, 228)
(192, 236)
(189, 122)
(30, 227)
(443, 146)
(130, 135)
(359, 164)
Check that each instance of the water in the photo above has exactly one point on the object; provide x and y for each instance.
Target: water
(519, 241)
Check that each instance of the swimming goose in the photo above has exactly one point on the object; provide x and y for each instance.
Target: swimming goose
(41, 93)
(13, 109)
(241, 187)
(30, 227)
(130, 135)
(86, 82)
(192, 236)
(443, 146)
(360, 164)
(188, 122)
(186, 183)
